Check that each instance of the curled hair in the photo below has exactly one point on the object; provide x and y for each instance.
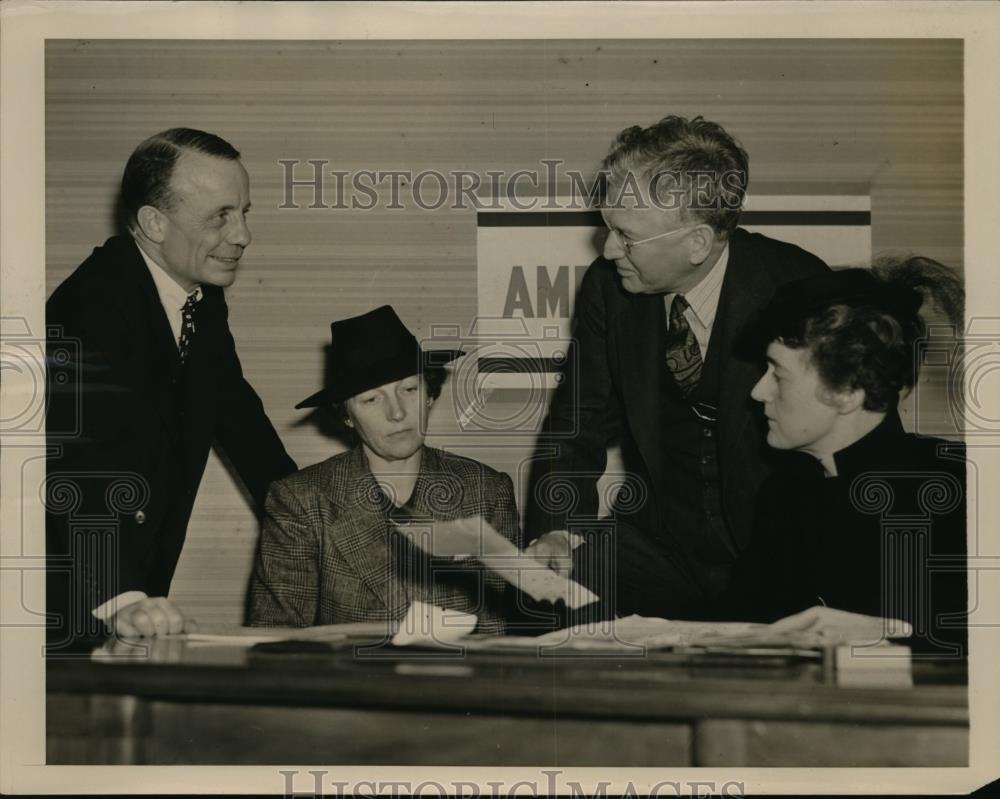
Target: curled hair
(146, 180)
(691, 165)
(868, 342)
(434, 378)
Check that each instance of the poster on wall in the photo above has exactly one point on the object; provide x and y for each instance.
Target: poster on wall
(530, 264)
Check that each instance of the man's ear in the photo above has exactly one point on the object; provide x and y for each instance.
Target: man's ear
(700, 241)
(152, 223)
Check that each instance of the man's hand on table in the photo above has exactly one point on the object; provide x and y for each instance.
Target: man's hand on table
(555, 550)
(149, 618)
(169, 649)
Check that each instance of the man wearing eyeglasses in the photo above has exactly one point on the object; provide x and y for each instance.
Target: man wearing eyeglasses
(655, 368)
(154, 380)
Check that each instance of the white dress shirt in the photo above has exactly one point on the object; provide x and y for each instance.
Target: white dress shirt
(172, 294)
(703, 302)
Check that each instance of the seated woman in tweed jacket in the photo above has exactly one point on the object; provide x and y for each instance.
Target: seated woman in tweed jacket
(329, 551)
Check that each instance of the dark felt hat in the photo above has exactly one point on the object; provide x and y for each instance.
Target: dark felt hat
(794, 302)
(369, 351)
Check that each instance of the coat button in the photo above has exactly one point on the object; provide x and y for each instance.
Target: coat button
(140, 517)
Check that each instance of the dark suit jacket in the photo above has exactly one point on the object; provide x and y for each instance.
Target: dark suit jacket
(885, 537)
(612, 391)
(129, 428)
(328, 553)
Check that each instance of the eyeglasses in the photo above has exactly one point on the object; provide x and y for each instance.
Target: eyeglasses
(628, 245)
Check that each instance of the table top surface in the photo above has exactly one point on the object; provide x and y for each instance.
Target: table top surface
(364, 670)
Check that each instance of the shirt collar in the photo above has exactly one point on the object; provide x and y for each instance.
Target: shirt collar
(704, 297)
(172, 295)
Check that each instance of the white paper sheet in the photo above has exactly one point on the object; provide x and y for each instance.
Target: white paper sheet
(474, 537)
(429, 624)
(247, 636)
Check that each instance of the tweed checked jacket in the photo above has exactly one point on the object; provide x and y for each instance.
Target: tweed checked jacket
(328, 553)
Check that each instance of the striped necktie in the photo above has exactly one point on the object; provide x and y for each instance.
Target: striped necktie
(187, 326)
(683, 352)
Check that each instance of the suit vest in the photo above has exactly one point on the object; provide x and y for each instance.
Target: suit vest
(691, 510)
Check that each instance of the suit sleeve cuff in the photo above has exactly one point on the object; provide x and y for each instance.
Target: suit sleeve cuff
(105, 611)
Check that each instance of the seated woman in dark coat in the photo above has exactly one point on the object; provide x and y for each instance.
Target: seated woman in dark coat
(330, 552)
(869, 518)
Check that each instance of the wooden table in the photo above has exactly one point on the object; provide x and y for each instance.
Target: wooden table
(206, 704)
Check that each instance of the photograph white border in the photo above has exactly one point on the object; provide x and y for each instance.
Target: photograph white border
(26, 26)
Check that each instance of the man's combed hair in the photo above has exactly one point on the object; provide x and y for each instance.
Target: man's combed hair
(691, 165)
(146, 180)
(871, 345)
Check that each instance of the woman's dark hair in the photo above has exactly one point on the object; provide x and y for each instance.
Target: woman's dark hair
(434, 379)
(862, 333)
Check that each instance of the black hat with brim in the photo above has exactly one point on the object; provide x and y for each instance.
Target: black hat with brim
(799, 300)
(369, 351)
(852, 287)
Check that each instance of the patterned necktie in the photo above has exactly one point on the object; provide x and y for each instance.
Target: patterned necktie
(683, 352)
(187, 326)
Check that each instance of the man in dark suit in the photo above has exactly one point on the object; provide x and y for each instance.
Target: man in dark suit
(655, 366)
(155, 379)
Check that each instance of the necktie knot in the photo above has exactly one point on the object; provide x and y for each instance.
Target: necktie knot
(188, 312)
(678, 322)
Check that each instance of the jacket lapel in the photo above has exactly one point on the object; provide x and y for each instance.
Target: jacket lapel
(162, 345)
(209, 349)
(438, 493)
(162, 359)
(640, 354)
(745, 289)
(363, 531)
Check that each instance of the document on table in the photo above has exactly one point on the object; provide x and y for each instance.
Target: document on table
(475, 538)
(628, 633)
(425, 624)
(248, 636)
(813, 629)
(234, 639)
